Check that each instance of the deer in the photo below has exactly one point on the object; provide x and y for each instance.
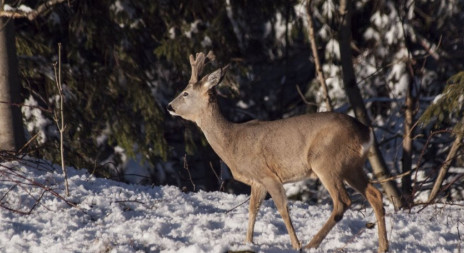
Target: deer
(267, 154)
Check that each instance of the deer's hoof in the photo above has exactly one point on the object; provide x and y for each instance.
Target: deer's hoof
(296, 245)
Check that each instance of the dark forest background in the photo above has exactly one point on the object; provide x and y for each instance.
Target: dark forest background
(123, 61)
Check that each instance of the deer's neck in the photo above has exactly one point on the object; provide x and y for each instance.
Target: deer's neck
(217, 130)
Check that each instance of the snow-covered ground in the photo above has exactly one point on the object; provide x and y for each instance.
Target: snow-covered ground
(110, 216)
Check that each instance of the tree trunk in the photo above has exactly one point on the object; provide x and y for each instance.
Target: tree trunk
(11, 125)
(406, 159)
(446, 165)
(378, 164)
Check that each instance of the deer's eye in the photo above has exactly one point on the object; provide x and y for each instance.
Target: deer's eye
(185, 94)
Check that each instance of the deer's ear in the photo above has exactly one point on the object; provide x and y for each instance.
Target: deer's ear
(214, 78)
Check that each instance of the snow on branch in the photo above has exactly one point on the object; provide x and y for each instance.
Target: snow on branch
(26, 12)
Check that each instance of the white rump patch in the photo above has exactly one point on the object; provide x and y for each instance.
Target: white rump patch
(367, 145)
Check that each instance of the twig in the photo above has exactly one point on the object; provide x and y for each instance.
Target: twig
(317, 62)
(60, 122)
(457, 143)
(442, 203)
(422, 155)
(21, 181)
(134, 201)
(24, 105)
(188, 171)
(375, 181)
(28, 143)
(27, 181)
(37, 201)
(6, 193)
(217, 177)
(430, 202)
(427, 204)
(459, 234)
(303, 97)
(235, 207)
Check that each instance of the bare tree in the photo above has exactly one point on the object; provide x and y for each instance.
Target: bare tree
(11, 125)
(406, 159)
(376, 159)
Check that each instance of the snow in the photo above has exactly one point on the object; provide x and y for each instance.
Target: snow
(111, 216)
(193, 28)
(21, 8)
(25, 8)
(235, 24)
(37, 121)
(332, 49)
(122, 6)
(280, 27)
(206, 42)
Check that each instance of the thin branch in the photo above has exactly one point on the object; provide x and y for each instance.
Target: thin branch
(384, 180)
(303, 97)
(31, 15)
(24, 105)
(427, 204)
(237, 206)
(221, 186)
(432, 49)
(417, 163)
(459, 234)
(60, 121)
(186, 167)
(6, 193)
(317, 62)
(422, 155)
(445, 167)
(23, 180)
(134, 201)
(28, 143)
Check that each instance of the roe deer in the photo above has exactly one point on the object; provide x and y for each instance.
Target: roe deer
(267, 154)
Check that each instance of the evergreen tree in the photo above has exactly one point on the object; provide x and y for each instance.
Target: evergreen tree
(124, 60)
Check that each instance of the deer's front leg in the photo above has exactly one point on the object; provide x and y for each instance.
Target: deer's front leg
(277, 192)
(258, 193)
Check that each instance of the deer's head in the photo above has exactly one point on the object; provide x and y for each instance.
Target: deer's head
(193, 101)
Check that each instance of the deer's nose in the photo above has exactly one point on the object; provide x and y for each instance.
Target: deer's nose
(170, 109)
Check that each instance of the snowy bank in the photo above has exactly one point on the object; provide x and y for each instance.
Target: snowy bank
(110, 216)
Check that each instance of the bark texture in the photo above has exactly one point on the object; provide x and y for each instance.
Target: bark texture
(11, 125)
(376, 159)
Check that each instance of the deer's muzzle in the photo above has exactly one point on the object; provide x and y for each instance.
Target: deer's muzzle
(171, 110)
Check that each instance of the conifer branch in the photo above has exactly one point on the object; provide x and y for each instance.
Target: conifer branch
(31, 15)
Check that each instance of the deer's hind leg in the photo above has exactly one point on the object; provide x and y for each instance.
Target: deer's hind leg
(341, 202)
(360, 182)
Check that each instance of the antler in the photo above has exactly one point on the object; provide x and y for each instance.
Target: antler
(198, 64)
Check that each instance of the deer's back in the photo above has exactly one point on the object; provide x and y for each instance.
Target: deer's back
(289, 147)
